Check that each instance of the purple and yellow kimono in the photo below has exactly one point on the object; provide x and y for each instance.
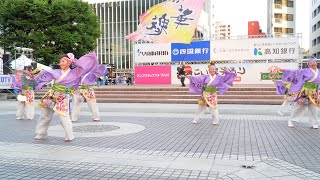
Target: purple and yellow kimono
(304, 85)
(58, 96)
(199, 85)
(87, 82)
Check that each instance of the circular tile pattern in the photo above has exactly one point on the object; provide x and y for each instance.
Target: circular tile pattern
(97, 129)
(94, 128)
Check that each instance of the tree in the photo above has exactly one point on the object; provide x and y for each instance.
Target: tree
(51, 27)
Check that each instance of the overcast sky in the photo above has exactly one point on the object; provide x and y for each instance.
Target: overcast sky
(238, 12)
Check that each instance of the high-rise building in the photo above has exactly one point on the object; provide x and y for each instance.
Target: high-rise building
(222, 31)
(315, 28)
(254, 30)
(281, 17)
(119, 18)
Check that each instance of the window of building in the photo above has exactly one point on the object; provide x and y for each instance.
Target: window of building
(314, 13)
(277, 18)
(318, 24)
(288, 30)
(318, 9)
(277, 15)
(289, 17)
(278, 4)
(314, 28)
(289, 3)
(277, 30)
(314, 42)
(277, 1)
(318, 40)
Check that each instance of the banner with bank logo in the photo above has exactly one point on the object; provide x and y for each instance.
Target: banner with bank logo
(5, 82)
(255, 49)
(145, 53)
(195, 51)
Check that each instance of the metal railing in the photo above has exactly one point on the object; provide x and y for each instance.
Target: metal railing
(239, 37)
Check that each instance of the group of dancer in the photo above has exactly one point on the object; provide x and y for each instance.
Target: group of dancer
(300, 87)
(74, 79)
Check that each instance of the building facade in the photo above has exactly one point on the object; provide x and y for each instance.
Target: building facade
(281, 17)
(315, 28)
(222, 31)
(254, 30)
(118, 18)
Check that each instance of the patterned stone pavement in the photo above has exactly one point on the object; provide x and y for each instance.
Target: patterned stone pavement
(168, 147)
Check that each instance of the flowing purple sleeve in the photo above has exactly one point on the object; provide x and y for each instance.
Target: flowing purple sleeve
(225, 81)
(295, 77)
(101, 70)
(196, 84)
(229, 77)
(92, 77)
(281, 88)
(85, 64)
(43, 78)
(288, 74)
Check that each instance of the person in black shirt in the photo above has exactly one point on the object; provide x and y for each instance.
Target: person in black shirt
(182, 75)
(129, 80)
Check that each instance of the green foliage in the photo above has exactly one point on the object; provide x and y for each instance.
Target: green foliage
(51, 28)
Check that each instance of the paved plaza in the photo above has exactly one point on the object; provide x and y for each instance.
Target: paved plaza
(159, 141)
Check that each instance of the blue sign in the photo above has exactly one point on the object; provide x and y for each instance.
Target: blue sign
(195, 51)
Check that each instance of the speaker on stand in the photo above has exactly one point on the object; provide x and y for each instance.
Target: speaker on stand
(6, 64)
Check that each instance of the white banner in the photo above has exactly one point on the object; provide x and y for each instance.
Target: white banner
(258, 73)
(152, 52)
(5, 82)
(196, 69)
(255, 49)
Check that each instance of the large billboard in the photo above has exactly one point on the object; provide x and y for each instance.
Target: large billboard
(255, 49)
(254, 73)
(145, 53)
(219, 50)
(152, 74)
(195, 51)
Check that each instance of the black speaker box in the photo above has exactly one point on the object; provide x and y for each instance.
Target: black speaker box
(6, 64)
